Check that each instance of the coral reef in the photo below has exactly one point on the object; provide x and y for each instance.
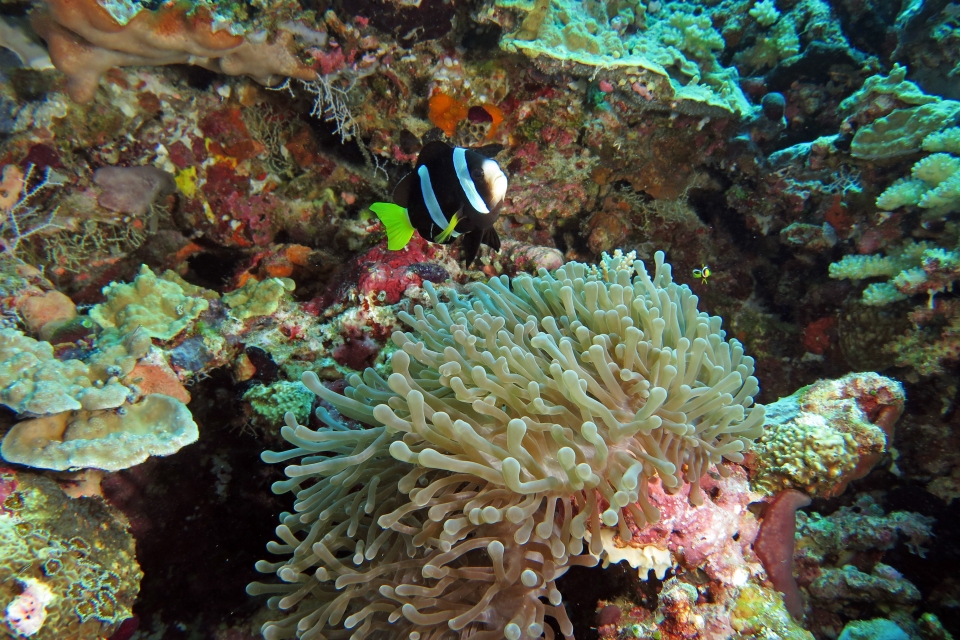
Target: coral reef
(86, 41)
(838, 561)
(34, 382)
(184, 224)
(158, 307)
(258, 298)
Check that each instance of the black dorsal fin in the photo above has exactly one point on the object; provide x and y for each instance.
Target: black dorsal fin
(490, 150)
(431, 151)
(401, 192)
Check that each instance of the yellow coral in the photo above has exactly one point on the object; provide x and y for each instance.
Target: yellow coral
(157, 307)
(257, 298)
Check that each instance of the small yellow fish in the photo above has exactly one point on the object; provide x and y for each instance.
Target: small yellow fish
(703, 273)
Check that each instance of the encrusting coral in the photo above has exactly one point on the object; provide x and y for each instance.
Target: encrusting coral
(80, 552)
(515, 421)
(111, 439)
(258, 298)
(824, 435)
(33, 382)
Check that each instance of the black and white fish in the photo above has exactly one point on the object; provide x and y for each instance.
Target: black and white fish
(452, 192)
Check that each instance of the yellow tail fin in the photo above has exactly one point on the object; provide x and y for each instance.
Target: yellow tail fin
(397, 223)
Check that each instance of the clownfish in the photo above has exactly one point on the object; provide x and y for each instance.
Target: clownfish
(452, 192)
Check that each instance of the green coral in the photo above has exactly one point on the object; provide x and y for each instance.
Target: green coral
(902, 193)
(771, 47)
(912, 269)
(902, 132)
(765, 12)
(272, 402)
(894, 85)
(876, 629)
(759, 613)
(855, 267)
(932, 343)
(159, 308)
(693, 34)
(947, 140)
(935, 168)
(932, 339)
(880, 294)
(934, 182)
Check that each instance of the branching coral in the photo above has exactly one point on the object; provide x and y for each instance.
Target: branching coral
(913, 269)
(515, 421)
(934, 184)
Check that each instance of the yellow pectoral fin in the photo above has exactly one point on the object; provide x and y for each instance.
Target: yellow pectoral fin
(397, 223)
(445, 234)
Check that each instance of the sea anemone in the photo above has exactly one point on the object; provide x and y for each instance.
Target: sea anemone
(518, 422)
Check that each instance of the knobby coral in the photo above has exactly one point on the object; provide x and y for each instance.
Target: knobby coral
(516, 420)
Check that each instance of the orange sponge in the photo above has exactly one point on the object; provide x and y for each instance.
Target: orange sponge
(446, 112)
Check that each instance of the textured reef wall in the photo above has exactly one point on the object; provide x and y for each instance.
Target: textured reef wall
(561, 439)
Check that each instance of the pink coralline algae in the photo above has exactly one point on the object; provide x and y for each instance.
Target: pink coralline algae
(714, 541)
(383, 275)
(775, 544)
(8, 484)
(715, 536)
(386, 277)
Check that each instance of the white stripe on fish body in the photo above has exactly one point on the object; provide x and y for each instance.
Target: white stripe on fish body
(466, 182)
(430, 199)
